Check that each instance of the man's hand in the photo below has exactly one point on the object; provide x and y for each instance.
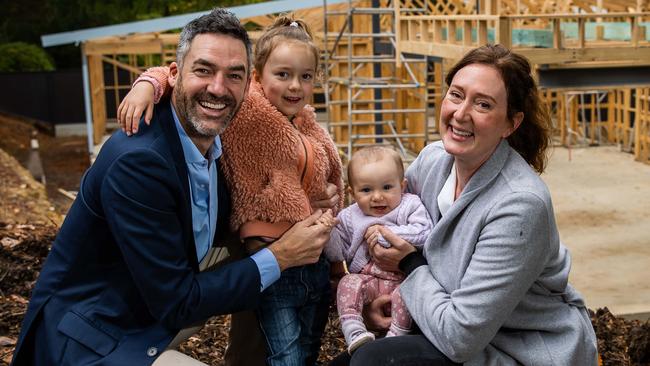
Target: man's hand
(303, 243)
(388, 258)
(374, 315)
(327, 200)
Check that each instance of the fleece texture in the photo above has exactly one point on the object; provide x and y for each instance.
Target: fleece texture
(261, 151)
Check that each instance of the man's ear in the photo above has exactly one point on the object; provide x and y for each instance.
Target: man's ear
(255, 75)
(404, 184)
(173, 74)
(516, 122)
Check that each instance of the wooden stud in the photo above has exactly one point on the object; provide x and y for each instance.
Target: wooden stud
(467, 33)
(451, 31)
(97, 96)
(557, 34)
(600, 32)
(581, 32)
(482, 33)
(504, 32)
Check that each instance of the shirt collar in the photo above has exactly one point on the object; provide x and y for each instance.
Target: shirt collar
(191, 152)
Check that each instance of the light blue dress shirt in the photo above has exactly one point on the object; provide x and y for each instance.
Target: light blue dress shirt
(202, 175)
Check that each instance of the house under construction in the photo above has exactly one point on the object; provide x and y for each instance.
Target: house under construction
(385, 62)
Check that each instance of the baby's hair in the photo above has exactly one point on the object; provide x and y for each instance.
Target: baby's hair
(371, 154)
(284, 28)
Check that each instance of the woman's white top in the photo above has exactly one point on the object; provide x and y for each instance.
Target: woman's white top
(446, 195)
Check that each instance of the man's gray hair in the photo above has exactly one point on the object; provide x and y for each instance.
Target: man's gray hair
(218, 21)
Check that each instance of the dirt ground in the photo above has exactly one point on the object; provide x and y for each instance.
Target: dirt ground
(601, 199)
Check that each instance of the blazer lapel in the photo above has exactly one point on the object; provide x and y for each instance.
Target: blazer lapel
(481, 179)
(167, 124)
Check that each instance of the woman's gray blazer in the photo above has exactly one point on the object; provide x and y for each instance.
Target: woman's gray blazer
(495, 291)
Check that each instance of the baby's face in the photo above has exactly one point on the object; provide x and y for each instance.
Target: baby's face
(377, 187)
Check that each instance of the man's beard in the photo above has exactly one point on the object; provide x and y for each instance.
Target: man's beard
(187, 106)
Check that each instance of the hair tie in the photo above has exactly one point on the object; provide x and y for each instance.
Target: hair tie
(294, 24)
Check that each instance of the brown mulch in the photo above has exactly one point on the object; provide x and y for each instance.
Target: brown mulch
(30, 212)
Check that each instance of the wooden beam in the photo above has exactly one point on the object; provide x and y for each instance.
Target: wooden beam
(504, 32)
(137, 47)
(121, 65)
(97, 97)
(482, 32)
(554, 56)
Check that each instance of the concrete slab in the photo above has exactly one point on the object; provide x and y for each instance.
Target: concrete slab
(601, 198)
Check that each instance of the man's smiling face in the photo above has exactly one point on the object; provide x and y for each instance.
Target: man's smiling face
(210, 85)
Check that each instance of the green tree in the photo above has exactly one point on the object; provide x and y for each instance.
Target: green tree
(28, 20)
(20, 56)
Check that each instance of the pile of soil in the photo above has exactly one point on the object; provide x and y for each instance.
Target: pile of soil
(621, 342)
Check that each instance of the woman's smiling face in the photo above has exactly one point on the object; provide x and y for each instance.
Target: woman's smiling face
(473, 118)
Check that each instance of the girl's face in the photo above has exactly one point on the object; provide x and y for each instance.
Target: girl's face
(288, 77)
(473, 116)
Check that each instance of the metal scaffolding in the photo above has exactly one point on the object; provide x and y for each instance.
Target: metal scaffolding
(371, 99)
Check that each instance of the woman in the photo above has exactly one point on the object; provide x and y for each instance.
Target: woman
(490, 287)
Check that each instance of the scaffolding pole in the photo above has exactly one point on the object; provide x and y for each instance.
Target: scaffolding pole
(370, 99)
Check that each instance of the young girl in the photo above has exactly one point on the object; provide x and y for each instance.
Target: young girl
(276, 158)
(376, 179)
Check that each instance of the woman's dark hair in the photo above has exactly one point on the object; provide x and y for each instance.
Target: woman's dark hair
(533, 136)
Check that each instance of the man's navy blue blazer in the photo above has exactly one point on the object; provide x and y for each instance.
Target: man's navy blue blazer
(122, 276)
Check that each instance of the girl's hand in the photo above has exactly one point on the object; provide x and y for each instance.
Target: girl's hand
(328, 199)
(388, 258)
(137, 101)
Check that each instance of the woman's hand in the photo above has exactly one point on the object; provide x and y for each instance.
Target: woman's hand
(328, 199)
(374, 314)
(138, 100)
(388, 258)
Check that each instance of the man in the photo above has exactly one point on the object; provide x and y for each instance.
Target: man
(123, 275)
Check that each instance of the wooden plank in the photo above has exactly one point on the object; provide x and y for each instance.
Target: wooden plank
(125, 47)
(467, 33)
(482, 33)
(504, 32)
(451, 31)
(581, 33)
(97, 97)
(437, 31)
(453, 52)
(554, 56)
(557, 34)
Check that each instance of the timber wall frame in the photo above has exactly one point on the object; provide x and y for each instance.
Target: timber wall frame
(442, 31)
(617, 115)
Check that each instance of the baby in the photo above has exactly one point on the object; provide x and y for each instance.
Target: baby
(377, 184)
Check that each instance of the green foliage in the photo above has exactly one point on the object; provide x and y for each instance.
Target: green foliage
(28, 20)
(20, 56)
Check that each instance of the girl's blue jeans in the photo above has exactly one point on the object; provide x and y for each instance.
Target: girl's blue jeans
(293, 314)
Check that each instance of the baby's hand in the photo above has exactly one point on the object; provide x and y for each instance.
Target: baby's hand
(327, 219)
(372, 235)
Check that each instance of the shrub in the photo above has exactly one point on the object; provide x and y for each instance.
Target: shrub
(20, 56)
